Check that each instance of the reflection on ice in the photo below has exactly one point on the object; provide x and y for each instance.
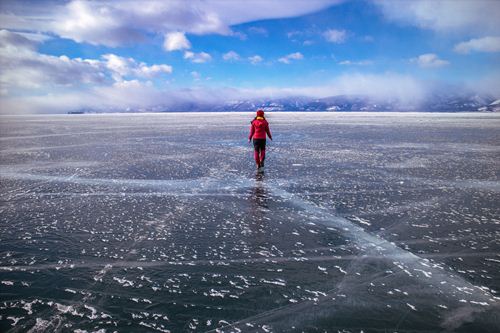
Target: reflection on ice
(260, 193)
(364, 225)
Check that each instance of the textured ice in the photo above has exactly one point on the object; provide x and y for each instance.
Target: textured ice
(159, 222)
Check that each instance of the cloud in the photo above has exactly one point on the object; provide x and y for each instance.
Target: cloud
(25, 69)
(294, 34)
(14, 42)
(305, 37)
(153, 70)
(176, 41)
(356, 63)
(292, 56)
(239, 34)
(116, 23)
(231, 56)
(429, 60)
(485, 44)
(241, 11)
(489, 84)
(335, 36)
(402, 88)
(197, 58)
(121, 67)
(258, 31)
(445, 15)
(95, 23)
(255, 59)
(120, 96)
(116, 97)
(36, 37)
(139, 95)
(21, 18)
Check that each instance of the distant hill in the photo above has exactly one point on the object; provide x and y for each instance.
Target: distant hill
(345, 103)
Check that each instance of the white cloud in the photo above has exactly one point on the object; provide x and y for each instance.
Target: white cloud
(118, 96)
(95, 23)
(153, 70)
(387, 86)
(335, 36)
(356, 63)
(485, 44)
(36, 37)
(255, 59)
(241, 11)
(49, 103)
(23, 68)
(231, 56)
(115, 23)
(176, 41)
(294, 34)
(136, 94)
(21, 18)
(197, 58)
(489, 84)
(445, 15)
(11, 42)
(429, 60)
(259, 31)
(292, 56)
(239, 34)
(120, 67)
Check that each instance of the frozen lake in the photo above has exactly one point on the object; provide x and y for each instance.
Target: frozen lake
(158, 222)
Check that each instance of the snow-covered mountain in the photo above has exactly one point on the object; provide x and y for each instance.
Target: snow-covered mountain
(434, 103)
(492, 107)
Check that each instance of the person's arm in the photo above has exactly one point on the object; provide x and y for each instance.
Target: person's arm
(268, 131)
(252, 132)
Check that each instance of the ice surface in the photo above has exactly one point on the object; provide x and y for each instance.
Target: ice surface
(159, 222)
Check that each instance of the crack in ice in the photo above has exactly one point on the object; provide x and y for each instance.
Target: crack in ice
(406, 261)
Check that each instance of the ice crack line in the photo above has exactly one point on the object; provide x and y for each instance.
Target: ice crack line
(415, 266)
(191, 186)
(407, 261)
(412, 264)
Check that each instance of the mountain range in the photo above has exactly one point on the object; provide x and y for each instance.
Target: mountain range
(344, 103)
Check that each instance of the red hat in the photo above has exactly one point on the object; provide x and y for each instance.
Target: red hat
(260, 113)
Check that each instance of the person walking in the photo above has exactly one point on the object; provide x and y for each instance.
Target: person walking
(258, 132)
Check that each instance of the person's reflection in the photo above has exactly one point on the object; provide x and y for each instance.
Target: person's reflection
(258, 209)
(259, 194)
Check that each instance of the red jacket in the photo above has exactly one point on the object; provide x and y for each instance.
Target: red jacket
(259, 128)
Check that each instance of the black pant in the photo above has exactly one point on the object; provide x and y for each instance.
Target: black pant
(259, 144)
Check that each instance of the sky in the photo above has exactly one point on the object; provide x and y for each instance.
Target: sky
(58, 56)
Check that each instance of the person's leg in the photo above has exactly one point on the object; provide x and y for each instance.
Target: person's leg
(262, 155)
(256, 156)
